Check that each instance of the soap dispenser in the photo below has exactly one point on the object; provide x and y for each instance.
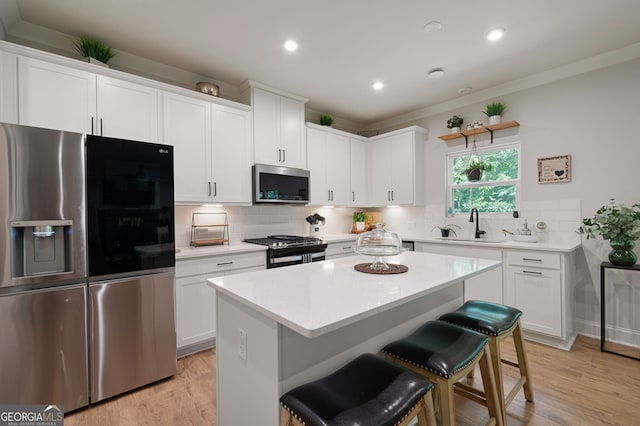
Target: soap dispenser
(525, 229)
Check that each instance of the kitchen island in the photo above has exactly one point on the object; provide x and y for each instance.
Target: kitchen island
(282, 327)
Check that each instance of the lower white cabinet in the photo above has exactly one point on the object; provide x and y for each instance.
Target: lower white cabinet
(486, 286)
(196, 300)
(340, 249)
(536, 283)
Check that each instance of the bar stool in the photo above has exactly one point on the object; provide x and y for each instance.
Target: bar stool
(368, 391)
(444, 354)
(498, 322)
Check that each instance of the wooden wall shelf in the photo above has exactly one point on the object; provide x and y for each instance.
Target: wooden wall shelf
(472, 132)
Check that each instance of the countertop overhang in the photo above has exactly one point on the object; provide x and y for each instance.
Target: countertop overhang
(316, 298)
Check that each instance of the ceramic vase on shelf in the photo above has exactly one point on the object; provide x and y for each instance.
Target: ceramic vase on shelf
(622, 253)
(455, 129)
(495, 119)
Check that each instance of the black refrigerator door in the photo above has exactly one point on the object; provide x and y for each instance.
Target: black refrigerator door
(130, 211)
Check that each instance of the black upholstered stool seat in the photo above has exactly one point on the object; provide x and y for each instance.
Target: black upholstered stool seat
(498, 322)
(367, 391)
(485, 317)
(444, 353)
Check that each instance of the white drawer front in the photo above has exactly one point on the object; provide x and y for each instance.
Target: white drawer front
(533, 259)
(340, 249)
(222, 263)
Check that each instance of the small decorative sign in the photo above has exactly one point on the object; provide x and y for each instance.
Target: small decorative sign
(554, 169)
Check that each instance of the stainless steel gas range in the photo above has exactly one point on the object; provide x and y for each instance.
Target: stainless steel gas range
(285, 250)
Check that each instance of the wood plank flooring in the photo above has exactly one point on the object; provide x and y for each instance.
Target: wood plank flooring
(581, 387)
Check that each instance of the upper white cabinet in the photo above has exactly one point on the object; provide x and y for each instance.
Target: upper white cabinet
(397, 168)
(278, 129)
(8, 88)
(212, 156)
(59, 97)
(328, 161)
(359, 195)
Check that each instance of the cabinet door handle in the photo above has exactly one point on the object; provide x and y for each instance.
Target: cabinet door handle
(215, 189)
(328, 195)
(92, 126)
(209, 189)
(526, 259)
(225, 263)
(284, 155)
(391, 195)
(353, 196)
(101, 134)
(279, 155)
(531, 272)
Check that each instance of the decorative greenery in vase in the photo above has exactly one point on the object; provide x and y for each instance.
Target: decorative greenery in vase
(494, 108)
(359, 218)
(446, 229)
(455, 121)
(620, 225)
(326, 120)
(91, 48)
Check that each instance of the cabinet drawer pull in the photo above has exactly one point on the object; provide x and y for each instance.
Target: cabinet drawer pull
(526, 259)
(347, 248)
(225, 263)
(531, 272)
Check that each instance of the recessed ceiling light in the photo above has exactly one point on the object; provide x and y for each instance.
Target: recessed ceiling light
(464, 90)
(290, 45)
(495, 34)
(378, 85)
(435, 73)
(432, 27)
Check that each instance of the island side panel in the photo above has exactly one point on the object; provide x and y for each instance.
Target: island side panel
(248, 390)
(306, 359)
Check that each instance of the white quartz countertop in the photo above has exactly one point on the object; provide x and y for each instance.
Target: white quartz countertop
(316, 298)
(192, 252)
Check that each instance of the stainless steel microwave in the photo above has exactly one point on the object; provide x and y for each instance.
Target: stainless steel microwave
(280, 185)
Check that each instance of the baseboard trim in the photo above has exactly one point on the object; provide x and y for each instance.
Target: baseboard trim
(621, 335)
(196, 347)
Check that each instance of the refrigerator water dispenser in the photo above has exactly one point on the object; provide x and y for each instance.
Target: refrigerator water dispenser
(40, 247)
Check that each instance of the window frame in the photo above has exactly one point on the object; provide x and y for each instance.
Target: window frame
(450, 186)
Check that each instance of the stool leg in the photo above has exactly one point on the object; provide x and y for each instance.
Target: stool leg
(496, 362)
(447, 406)
(285, 417)
(489, 383)
(429, 410)
(522, 362)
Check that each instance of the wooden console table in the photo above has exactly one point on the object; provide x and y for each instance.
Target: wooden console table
(603, 267)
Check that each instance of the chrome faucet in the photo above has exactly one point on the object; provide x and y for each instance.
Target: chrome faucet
(478, 231)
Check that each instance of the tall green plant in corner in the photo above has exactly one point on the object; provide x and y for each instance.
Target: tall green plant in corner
(92, 48)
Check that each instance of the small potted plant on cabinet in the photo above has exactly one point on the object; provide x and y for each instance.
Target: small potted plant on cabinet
(454, 123)
(494, 111)
(95, 51)
(475, 168)
(359, 219)
(326, 120)
(447, 229)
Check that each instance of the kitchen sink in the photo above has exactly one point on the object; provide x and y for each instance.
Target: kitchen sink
(474, 240)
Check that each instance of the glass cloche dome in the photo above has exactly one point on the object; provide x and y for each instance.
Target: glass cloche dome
(379, 243)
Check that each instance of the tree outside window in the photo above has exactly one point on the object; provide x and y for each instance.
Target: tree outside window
(498, 189)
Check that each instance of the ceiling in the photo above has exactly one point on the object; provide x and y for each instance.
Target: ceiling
(347, 44)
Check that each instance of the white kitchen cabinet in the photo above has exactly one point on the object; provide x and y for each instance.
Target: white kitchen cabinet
(397, 168)
(195, 300)
(278, 126)
(339, 249)
(60, 97)
(8, 88)
(212, 157)
(359, 196)
(486, 286)
(534, 283)
(328, 162)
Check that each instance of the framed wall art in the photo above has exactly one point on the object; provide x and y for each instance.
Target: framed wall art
(554, 169)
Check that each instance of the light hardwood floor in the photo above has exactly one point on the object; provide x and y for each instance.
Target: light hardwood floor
(579, 387)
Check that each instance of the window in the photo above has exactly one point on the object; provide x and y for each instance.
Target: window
(498, 190)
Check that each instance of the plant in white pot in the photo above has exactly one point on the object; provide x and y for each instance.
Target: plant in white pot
(454, 123)
(494, 111)
(359, 218)
(90, 49)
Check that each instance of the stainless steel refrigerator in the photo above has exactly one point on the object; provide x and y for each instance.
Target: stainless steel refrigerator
(87, 261)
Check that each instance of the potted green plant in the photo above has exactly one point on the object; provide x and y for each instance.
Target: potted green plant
(620, 225)
(91, 48)
(359, 218)
(454, 123)
(494, 111)
(446, 229)
(475, 168)
(326, 120)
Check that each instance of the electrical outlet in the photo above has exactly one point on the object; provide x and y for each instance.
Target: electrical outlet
(242, 344)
